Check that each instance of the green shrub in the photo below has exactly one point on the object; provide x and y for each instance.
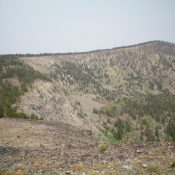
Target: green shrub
(102, 148)
(34, 117)
(153, 169)
(173, 165)
(21, 115)
(109, 109)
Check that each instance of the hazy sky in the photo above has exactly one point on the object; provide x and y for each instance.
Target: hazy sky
(37, 26)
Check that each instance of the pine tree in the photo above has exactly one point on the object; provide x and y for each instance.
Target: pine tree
(157, 134)
(171, 129)
(149, 134)
(1, 112)
(141, 133)
(128, 126)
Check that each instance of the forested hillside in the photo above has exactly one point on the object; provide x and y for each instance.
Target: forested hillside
(15, 79)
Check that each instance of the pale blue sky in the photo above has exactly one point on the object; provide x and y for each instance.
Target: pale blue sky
(37, 26)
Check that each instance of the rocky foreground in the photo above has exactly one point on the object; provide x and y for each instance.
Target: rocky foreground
(39, 147)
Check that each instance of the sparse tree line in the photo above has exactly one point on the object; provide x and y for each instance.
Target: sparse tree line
(155, 115)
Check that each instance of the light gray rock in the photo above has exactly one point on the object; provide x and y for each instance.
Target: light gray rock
(144, 165)
(128, 167)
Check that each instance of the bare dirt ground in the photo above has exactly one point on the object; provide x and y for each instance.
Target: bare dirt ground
(40, 147)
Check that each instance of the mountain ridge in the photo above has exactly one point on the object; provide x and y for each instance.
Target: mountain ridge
(91, 51)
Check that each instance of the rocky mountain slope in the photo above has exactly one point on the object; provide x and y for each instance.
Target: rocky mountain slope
(39, 147)
(126, 83)
(118, 96)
